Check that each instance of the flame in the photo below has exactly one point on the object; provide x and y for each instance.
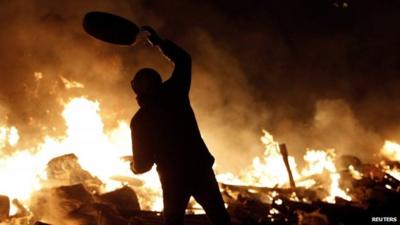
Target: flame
(320, 161)
(100, 153)
(355, 173)
(68, 84)
(8, 136)
(270, 170)
(391, 150)
(87, 140)
(394, 173)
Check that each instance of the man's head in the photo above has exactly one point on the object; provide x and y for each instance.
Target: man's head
(146, 84)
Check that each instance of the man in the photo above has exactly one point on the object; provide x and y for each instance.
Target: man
(165, 132)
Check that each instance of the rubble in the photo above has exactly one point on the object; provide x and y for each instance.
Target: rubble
(123, 199)
(376, 193)
(40, 223)
(74, 204)
(66, 170)
(78, 200)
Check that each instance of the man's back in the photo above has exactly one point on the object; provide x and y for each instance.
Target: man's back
(167, 128)
(181, 133)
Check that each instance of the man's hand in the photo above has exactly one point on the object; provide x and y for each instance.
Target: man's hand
(152, 35)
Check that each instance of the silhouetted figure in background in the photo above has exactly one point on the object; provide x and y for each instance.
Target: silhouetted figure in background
(165, 132)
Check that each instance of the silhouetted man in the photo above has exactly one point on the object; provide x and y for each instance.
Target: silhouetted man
(165, 132)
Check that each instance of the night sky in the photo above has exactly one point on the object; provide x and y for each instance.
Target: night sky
(314, 73)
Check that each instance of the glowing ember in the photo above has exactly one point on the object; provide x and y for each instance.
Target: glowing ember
(38, 76)
(71, 84)
(355, 173)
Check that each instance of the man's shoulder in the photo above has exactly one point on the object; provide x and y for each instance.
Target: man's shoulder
(170, 93)
(139, 116)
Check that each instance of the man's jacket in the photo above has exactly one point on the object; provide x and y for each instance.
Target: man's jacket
(166, 132)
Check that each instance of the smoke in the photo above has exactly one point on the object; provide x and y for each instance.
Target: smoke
(284, 65)
(312, 73)
(222, 97)
(334, 125)
(43, 45)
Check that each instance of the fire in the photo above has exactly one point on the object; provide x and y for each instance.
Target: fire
(391, 150)
(270, 171)
(355, 173)
(98, 152)
(87, 140)
(8, 136)
(103, 154)
(320, 161)
(19, 177)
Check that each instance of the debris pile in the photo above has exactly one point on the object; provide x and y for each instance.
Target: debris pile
(76, 200)
(374, 193)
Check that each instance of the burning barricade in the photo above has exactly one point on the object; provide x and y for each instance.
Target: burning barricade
(84, 178)
(356, 193)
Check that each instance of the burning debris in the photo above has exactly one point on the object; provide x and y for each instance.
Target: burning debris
(369, 197)
(68, 186)
(352, 195)
(65, 170)
(74, 204)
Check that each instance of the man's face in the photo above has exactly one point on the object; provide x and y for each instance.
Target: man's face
(146, 90)
(145, 87)
(146, 82)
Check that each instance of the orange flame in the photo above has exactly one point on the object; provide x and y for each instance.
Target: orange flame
(270, 170)
(100, 153)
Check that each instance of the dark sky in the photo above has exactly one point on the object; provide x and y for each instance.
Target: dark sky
(295, 52)
(304, 59)
(315, 73)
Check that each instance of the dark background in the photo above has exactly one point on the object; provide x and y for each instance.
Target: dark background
(314, 73)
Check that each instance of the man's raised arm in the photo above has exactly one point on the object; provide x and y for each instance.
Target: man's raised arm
(182, 74)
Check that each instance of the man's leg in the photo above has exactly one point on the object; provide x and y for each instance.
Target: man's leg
(175, 198)
(208, 196)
